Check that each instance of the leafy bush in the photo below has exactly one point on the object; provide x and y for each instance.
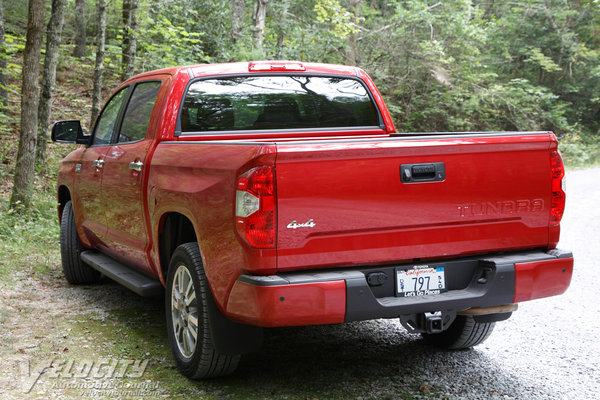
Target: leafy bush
(580, 151)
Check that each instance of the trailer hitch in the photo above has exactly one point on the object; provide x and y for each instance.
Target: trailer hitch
(428, 322)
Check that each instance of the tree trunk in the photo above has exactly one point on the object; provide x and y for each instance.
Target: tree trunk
(99, 68)
(22, 189)
(353, 37)
(281, 28)
(237, 19)
(53, 38)
(80, 32)
(3, 56)
(129, 48)
(259, 16)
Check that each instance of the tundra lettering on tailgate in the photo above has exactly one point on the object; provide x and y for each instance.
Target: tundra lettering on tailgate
(500, 207)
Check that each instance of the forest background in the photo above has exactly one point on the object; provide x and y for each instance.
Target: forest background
(458, 65)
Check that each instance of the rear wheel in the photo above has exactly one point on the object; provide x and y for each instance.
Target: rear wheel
(188, 321)
(464, 333)
(75, 270)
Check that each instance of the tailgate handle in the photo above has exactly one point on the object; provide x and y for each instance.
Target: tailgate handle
(426, 172)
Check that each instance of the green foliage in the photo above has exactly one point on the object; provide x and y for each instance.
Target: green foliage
(15, 12)
(164, 44)
(332, 12)
(313, 30)
(466, 65)
(29, 241)
(13, 45)
(579, 151)
(536, 57)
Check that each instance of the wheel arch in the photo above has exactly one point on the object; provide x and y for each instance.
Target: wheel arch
(174, 229)
(64, 195)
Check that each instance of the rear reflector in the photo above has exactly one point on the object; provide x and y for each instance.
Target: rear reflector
(276, 66)
(255, 207)
(558, 194)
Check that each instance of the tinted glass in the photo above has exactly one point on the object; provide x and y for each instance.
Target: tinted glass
(139, 109)
(276, 102)
(105, 125)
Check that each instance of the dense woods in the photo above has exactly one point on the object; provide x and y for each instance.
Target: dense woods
(441, 65)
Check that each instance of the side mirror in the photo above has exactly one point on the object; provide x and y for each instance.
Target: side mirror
(69, 132)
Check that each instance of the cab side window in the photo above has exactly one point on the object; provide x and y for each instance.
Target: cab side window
(139, 110)
(106, 123)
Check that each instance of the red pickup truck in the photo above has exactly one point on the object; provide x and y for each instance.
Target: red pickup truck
(278, 193)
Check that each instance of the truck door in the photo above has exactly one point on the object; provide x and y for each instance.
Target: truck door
(89, 173)
(123, 180)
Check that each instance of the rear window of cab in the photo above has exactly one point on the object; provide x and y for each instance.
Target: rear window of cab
(277, 102)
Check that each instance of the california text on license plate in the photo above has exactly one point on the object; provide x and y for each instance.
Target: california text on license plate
(420, 281)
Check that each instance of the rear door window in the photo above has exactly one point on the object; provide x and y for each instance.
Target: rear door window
(107, 122)
(137, 116)
(277, 102)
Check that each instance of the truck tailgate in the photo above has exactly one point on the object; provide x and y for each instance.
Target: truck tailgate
(343, 202)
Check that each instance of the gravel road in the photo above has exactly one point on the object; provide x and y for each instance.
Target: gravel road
(548, 349)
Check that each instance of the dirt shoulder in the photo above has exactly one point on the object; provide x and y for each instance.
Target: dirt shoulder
(63, 341)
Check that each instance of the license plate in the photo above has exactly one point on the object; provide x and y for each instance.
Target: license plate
(420, 281)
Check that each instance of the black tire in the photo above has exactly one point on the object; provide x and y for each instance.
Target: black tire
(464, 333)
(75, 270)
(200, 359)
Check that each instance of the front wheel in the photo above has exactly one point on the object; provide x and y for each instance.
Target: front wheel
(188, 321)
(75, 270)
(464, 333)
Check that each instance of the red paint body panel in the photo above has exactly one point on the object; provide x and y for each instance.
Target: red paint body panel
(387, 119)
(126, 237)
(535, 280)
(88, 199)
(200, 183)
(288, 305)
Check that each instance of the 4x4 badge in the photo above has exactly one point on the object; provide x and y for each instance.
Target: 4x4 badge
(308, 224)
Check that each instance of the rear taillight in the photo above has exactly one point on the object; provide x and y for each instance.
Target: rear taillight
(558, 193)
(255, 207)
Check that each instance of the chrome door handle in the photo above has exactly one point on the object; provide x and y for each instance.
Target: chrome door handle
(136, 166)
(99, 163)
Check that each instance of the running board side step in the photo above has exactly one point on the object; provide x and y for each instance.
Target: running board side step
(131, 279)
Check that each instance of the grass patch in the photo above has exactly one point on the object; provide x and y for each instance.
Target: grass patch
(139, 333)
(29, 242)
